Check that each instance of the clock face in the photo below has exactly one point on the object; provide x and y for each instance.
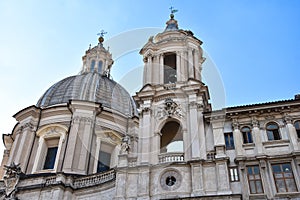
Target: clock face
(170, 180)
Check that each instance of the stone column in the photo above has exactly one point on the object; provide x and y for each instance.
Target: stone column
(265, 178)
(79, 143)
(161, 68)
(155, 69)
(190, 63)
(145, 80)
(197, 179)
(196, 65)
(178, 67)
(244, 180)
(256, 136)
(201, 132)
(183, 62)
(218, 133)
(85, 144)
(25, 144)
(121, 177)
(222, 177)
(144, 134)
(150, 72)
(194, 127)
(237, 137)
(68, 162)
(292, 133)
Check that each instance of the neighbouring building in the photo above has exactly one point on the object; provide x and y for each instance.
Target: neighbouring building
(87, 138)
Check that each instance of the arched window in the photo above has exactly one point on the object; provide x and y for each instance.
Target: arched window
(170, 68)
(92, 66)
(100, 63)
(247, 135)
(273, 131)
(49, 148)
(172, 138)
(297, 127)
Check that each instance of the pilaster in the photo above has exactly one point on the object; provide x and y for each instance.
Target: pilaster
(292, 133)
(257, 136)
(237, 136)
(194, 127)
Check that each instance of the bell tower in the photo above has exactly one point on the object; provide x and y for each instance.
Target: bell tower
(173, 56)
(173, 98)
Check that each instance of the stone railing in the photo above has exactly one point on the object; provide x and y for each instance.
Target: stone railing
(95, 179)
(81, 182)
(171, 157)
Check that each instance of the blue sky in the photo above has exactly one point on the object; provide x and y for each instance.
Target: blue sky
(254, 44)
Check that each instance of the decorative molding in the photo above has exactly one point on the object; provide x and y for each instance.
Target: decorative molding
(169, 109)
(288, 119)
(112, 136)
(78, 119)
(11, 179)
(269, 117)
(25, 126)
(235, 124)
(255, 122)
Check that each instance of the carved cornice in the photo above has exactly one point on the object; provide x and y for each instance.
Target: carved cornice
(194, 104)
(25, 126)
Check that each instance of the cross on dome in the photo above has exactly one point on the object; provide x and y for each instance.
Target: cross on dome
(102, 33)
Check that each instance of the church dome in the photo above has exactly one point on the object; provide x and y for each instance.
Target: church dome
(90, 87)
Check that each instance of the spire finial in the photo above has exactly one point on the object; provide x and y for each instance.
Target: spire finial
(172, 12)
(102, 33)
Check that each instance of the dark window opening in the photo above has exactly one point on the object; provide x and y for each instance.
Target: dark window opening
(50, 158)
(273, 131)
(92, 66)
(170, 180)
(172, 138)
(297, 127)
(254, 179)
(229, 142)
(103, 162)
(100, 66)
(170, 68)
(247, 135)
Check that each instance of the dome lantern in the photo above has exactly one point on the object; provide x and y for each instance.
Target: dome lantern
(97, 59)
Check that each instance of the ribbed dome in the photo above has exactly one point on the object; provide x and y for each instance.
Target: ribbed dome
(90, 87)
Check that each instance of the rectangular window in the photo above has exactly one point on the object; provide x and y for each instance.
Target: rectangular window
(170, 68)
(50, 158)
(229, 140)
(254, 179)
(233, 174)
(284, 178)
(103, 161)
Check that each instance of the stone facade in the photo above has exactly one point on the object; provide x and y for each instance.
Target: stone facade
(167, 143)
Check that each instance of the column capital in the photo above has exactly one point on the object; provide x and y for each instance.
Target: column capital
(255, 123)
(235, 124)
(287, 118)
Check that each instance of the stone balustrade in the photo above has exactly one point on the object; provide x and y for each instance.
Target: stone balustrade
(171, 157)
(94, 179)
(86, 181)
